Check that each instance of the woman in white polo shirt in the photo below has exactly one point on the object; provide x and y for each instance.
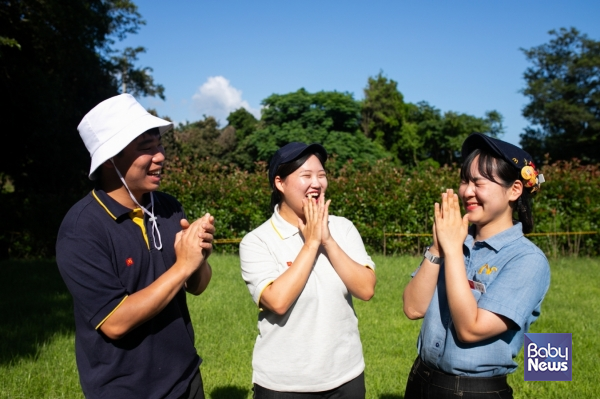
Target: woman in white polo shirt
(302, 267)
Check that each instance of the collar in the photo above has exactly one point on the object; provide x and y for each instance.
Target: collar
(112, 207)
(496, 242)
(282, 227)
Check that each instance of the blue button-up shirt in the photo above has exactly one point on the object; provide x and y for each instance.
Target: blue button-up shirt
(516, 276)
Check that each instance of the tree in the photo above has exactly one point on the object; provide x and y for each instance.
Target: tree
(382, 112)
(328, 117)
(243, 122)
(563, 88)
(455, 128)
(414, 133)
(202, 139)
(430, 137)
(136, 81)
(55, 65)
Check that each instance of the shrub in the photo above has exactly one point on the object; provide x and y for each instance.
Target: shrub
(386, 199)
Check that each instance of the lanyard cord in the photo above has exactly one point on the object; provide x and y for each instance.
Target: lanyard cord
(150, 213)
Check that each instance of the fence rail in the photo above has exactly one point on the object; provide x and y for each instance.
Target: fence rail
(220, 241)
(567, 233)
(556, 233)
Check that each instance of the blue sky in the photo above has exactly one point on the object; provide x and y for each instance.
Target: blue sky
(463, 56)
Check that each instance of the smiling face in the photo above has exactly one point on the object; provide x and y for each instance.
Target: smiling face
(488, 204)
(308, 180)
(141, 163)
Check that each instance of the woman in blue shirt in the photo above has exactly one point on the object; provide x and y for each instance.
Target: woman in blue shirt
(479, 287)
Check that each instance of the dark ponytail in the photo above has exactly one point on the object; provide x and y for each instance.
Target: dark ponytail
(524, 211)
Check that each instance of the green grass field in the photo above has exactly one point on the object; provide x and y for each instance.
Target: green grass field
(37, 357)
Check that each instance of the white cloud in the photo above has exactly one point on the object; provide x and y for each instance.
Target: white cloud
(216, 97)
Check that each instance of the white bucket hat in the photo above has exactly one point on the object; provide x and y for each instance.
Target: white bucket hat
(114, 123)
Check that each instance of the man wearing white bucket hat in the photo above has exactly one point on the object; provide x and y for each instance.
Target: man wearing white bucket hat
(127, 255)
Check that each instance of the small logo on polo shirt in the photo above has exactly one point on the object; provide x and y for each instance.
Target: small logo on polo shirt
(289, 263)
(129, 262)
(548, 357)
(487, 269)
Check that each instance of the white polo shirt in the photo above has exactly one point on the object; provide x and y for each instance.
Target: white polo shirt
(316, 345)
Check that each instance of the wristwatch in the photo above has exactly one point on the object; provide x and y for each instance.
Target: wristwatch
(431, 257)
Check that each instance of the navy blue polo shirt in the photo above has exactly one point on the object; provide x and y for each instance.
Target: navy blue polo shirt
(104, 254)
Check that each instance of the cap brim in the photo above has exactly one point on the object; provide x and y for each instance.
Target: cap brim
(314, 147)
(481, 141)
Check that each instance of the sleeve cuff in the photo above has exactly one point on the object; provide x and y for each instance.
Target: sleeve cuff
(260, 292)
(111, 312)
(501, 309)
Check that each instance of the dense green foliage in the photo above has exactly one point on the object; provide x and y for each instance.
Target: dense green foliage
(382, 126)
(329, 118)
(382, 198)
(130, 78)
(383, 112)
(418, 133)
(37, 331)
(563, 87)
(56, 63)
(385, 148)
(569, 202)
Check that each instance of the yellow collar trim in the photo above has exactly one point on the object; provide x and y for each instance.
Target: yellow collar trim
(136, 215)
(102, 205)
(276, 231)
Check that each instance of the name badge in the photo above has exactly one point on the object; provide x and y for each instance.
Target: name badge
(476, 285)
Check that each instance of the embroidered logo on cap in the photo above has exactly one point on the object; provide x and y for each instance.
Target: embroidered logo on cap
(129, 262)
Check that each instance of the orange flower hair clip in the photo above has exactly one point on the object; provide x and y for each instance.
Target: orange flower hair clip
(532, 177)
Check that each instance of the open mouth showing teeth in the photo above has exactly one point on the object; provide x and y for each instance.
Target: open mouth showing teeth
(312, 195)
(157, 173)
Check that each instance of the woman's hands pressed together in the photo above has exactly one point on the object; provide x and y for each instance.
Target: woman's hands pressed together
(449, 233)
(316, 212)
(450, 228)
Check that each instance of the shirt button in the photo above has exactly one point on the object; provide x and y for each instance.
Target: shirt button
(437, 344)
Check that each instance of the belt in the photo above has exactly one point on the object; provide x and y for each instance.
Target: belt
(459, 383)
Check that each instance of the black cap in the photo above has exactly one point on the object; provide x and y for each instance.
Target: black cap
(290, 152)
(512, 154)
(509, 152)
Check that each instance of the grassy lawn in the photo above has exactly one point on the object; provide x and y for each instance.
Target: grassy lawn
(37, 357)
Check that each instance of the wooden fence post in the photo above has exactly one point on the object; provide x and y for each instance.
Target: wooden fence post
(384, 240)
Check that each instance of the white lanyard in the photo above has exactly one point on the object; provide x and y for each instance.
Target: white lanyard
(150, 213)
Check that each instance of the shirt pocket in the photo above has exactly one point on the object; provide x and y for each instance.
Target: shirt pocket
(486, 278)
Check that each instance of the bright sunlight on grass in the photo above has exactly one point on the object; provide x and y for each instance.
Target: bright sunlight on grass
(37, 357)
